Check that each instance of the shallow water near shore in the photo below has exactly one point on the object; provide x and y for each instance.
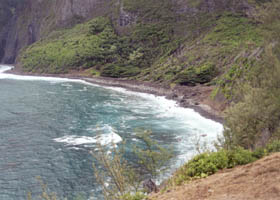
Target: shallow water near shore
(48, 126)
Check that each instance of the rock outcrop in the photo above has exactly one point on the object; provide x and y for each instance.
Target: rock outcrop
(34, 19)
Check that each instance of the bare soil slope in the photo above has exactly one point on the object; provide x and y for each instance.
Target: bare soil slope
(256, 181)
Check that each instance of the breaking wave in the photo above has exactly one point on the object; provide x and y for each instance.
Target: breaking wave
(103, 139)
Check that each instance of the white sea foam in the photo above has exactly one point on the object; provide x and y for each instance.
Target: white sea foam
(201, 130)
(3, 75)
(67, 85)
(38, 78)
(4, 68)
(162, 106)
(103, 139)
(83, 90)
(169, 108)
(135, 140)
(187, 117)
(75, 148)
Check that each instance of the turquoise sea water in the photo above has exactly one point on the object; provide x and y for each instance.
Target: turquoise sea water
(48, 126)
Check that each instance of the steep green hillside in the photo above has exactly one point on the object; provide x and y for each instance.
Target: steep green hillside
(95, 45)
(104, 50)
(233, 46)
(215, 49)
(215, 44)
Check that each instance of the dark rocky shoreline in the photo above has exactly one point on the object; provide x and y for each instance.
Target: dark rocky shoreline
(196, 97)
(188, 97)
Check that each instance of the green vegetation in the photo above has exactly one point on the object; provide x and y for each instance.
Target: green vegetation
(151, 157)
(236, 52)
(154, 11)
(126, 179)
(226, 41)
(156, 47)
(120, 71)
(234, 31)
(46, 195)
(119, 179)
(84, 46)
(96, 45)
(208, 163)
(123, 178)
(193, 75)
(251, 83)
(253, 120)
(136, 196)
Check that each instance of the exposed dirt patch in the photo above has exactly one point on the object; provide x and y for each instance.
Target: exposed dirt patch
(256, 181)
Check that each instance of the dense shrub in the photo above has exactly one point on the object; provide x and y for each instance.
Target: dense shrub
(274, 146)
(102, 45)
(98, 25)
(96, 44)
(193, 75)
(76, 48)
(136, 196)
(208, 163)
(239, 156)
(123, 180)
(271, 147)
(116, 71)
(254, 120)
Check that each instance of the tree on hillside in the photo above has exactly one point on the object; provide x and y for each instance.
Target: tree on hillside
(254, 120)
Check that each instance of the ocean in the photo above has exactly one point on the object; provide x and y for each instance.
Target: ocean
(49, 126)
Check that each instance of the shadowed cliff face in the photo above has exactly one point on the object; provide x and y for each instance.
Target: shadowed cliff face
(26, 21)
(23, 22)
(6, 13)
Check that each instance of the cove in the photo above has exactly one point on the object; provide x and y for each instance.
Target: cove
(49, 125)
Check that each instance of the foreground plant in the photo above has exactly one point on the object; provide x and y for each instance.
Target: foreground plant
(116, 176)
(46, 195)
(152, 157)
(121, 180)
(208, 163)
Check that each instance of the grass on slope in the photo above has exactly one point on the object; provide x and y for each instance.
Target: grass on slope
(231, 40)
(208, 163)
(96, 45)
(85, 45)
(258, 180)
(223, 44)
(108, 52)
